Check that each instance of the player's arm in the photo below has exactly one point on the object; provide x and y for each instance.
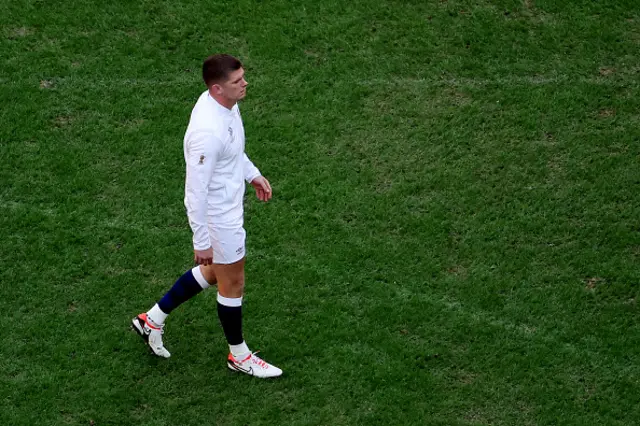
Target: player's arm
(255, 178)
(202, 154)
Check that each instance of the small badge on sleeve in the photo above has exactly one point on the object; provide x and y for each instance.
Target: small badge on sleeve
(201, 160)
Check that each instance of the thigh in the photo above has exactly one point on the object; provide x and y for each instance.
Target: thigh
(230, 278)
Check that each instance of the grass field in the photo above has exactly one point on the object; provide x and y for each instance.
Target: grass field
(454, 237)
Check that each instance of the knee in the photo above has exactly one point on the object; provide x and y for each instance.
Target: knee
(237, 286)
(233, 288)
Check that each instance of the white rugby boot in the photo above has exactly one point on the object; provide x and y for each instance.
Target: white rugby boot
(254, 366)
(152, 334)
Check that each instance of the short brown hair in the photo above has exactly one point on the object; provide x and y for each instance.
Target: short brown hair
(217, 68)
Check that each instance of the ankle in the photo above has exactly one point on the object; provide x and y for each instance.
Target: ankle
(239, 351)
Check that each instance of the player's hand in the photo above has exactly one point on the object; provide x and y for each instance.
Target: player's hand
(263, 188)
(203, 257)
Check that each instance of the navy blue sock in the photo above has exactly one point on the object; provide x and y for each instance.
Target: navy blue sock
(231, 320)
(184, 289)
(230, 314)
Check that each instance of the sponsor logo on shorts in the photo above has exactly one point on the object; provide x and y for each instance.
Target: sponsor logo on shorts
(239, 250)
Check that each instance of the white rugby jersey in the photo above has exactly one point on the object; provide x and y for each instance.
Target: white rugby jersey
(217, 168)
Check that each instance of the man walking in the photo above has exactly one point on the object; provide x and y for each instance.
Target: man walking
(217, 168)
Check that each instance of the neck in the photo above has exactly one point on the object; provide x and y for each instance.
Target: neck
(225, 102)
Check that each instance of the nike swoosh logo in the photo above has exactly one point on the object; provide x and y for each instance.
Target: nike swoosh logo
(249, 371)
(144, 329)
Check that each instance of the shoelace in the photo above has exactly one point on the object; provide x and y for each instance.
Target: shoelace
(257, 360)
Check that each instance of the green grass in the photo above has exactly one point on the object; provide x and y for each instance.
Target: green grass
(454, 237)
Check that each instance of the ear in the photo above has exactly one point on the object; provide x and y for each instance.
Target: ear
(216, 89)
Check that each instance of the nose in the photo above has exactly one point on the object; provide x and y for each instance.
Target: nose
(244, 83)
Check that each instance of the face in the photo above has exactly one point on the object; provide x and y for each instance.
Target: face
(235, 88)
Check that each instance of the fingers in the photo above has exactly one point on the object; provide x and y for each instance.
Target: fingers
(268, 192)
(204, 261)
(263, 188)
(203, 257)
(263, 192)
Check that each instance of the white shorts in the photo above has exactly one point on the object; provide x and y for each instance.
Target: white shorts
(228, 244)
